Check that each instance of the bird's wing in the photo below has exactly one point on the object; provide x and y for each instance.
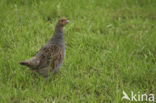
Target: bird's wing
(48, 54)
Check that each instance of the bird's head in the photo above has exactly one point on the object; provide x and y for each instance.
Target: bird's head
(62, 22)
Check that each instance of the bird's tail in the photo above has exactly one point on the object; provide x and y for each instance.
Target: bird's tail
(26, 63)
(32, 63)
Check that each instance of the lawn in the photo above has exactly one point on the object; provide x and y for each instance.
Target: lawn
(110, 48)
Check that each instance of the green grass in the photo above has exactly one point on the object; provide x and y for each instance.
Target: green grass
(110, 47)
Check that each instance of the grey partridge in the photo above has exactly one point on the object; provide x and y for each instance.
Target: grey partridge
(50, 57)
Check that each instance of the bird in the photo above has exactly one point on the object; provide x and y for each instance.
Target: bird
(51, 56)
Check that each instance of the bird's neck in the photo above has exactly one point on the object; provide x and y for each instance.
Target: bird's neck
(58, 28)
(58, 36)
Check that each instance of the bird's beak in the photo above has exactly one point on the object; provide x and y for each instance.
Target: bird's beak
(67, 21)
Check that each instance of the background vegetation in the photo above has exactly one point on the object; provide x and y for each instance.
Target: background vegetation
(110, 47)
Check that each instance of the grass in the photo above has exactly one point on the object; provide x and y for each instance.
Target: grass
(110, 47)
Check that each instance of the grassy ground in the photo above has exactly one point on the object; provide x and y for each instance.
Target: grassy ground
(110, 47)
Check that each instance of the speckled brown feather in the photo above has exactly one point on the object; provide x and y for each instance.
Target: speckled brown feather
(57, 57)
(52, 56)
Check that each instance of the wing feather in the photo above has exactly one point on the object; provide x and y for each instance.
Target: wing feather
(51, 55)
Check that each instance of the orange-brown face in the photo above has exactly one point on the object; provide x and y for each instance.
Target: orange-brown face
(63, 21)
